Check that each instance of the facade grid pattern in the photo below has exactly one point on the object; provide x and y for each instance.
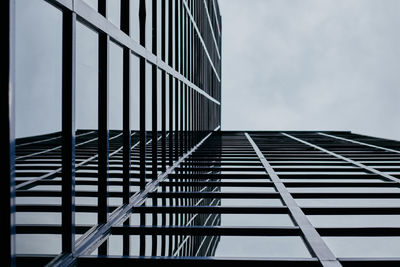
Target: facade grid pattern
(167, 186)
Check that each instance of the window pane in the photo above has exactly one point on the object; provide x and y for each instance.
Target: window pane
(256, 246)
(38, 68)
(149, 25)
(134, 20)
(135, 92)
(114, 12)
(256, 220)
(28, 244)
(366, 247)
(354, 220)
(149, 96)
(349, 202)
(115, 91)
(86, 78)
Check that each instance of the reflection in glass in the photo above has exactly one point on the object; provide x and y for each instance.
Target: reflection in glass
(257, 246)
(114, 11)
(354, 220)
(256, 220)
(38, 68)
(38, 119)
(366, 247)
(115, 90)
(86, 123)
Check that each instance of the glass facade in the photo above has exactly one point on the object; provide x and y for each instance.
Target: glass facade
(114, 153)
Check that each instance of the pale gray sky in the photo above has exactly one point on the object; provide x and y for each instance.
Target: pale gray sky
(311, 65)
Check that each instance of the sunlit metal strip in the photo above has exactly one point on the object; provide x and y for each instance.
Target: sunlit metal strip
(317, 244)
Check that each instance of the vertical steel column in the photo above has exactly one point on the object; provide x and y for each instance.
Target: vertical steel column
(177, 83)
(163, 88)
(171, 81)
(176, 130)
(126, 84)
(125, 27)
(142, 70)
(177, 33)
(68, 131)
(181, 120)
(8, 141)
(171, 121)
(170, 33)
(154, 135)
(193, 118)
(143, 137)
(186, 121)
(103, 138)
(163, 118)
(154, 144)
(163, 123)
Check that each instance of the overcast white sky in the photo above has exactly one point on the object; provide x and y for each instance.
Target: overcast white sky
(311, 65)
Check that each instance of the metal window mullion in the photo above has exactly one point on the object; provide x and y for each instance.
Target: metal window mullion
(142, 116)
(8, 128)
(316, 243)
(103, 139)
(163, 122)
(176, 119)
(143, 137)
(170, 121)
(126, 84)
(154, 94)
(170, 34)
(163, 147)
(68, 131)
(154, 145)
(103, 132)
(177, 37)
(181, 120)
(163, 90)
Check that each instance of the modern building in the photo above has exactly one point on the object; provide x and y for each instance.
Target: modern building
(114, 153)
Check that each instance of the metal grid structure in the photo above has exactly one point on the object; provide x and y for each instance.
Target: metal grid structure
(233, 187)
(178, 50)
(177, 190)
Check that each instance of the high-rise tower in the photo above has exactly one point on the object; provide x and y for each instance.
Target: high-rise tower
(113, 152)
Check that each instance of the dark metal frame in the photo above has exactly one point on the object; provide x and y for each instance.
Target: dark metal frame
(8, 141)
